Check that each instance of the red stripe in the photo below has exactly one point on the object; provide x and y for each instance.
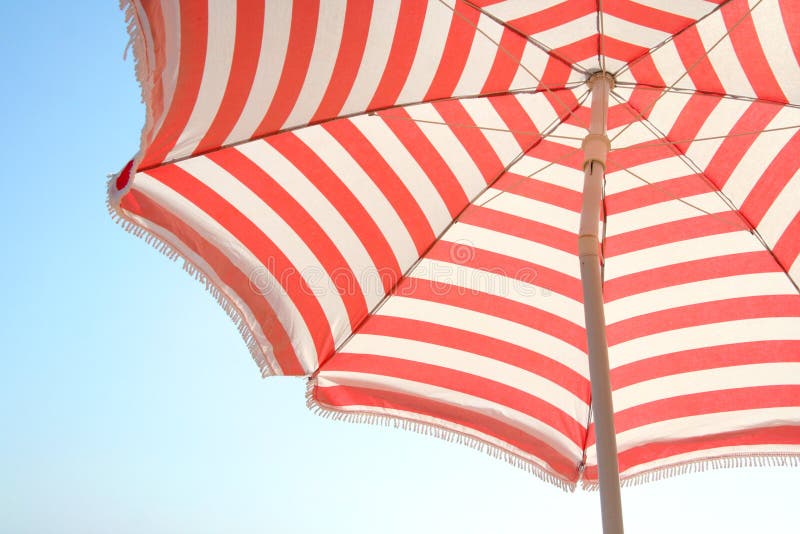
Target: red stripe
(463, 25)
(302, 34)
(429, 159)
(140, 204)
(506, 63)
(259, 244)
(747, 45)
(777, 436)
(705, 358)
(345, 202)
(732, 150)
(475, 143)
(404, 47)
(546, 192)
(462, 382)
(791, 21)
(309, 231)
(351, 51)
(642, 15)
(511, 310)
(693, 55)
(249, 29)
(788, 246)
(343, 396)
(467, 341)
(648, 195)
(690, 271)
(194, 39)
(718, 311)
(517, 120)
(156, 23)
(728, 400)
(558, 15)
(384, 177)
(776, 176)
(693, 116)
(546, 279)
(521, 227)
(671, 232)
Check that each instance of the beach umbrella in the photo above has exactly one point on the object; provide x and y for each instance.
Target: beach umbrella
(563, 232)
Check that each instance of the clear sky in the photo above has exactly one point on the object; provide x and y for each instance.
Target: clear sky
(129, 404)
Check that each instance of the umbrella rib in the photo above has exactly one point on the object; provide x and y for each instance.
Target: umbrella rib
(538, 44)
(747, 224)
(475, 126)
(667, 40)
(686, 160)
(411, 268)
(686, 91)
(665, 142)
(504, 50)
(692, 66)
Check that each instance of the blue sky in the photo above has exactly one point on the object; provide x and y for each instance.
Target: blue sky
(129, 404)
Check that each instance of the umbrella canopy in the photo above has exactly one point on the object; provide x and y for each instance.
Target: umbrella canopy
(385, 196)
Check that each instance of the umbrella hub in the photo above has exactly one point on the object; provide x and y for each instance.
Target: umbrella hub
(595, 75)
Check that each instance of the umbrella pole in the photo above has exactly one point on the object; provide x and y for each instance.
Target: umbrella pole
(596, 146)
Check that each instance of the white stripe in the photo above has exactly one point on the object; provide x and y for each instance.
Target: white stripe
(632, 33)
(535, 61)
(170, 11)
(281, 233)
(274, 46)
(681, 251)
(723, 58)
(726, 113)
(323, 212)
(482, 54)
(782, 211)
(730, 287)
(429, 51)
(653, 171)
(568, 33)
(483, 114)
(216, 69)
(673, 430)
(490, 326)
(685, 8)
(285, 310)
(471, 363)
(498, 412)
(364, 189)
(450, 148)
(515, 9)
(707, 380)
(759, 156)
(327, 39)
(382, 27)
(533, 210)
(517, 286)
(696, 337)
(773, 39)
(516, 247)
(670, 67)
(555, 173)
(406, 168)
(667, 212)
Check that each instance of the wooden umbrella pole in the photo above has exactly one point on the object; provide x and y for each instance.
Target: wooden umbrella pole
(596, 146)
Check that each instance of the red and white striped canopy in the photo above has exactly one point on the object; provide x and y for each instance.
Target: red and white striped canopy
(385, 195)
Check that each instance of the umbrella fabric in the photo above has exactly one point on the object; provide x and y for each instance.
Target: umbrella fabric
(385, 196)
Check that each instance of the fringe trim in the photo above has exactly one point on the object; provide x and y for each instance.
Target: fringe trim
(142, 69)
(699, 466)
(430, 429)
(265, 366)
